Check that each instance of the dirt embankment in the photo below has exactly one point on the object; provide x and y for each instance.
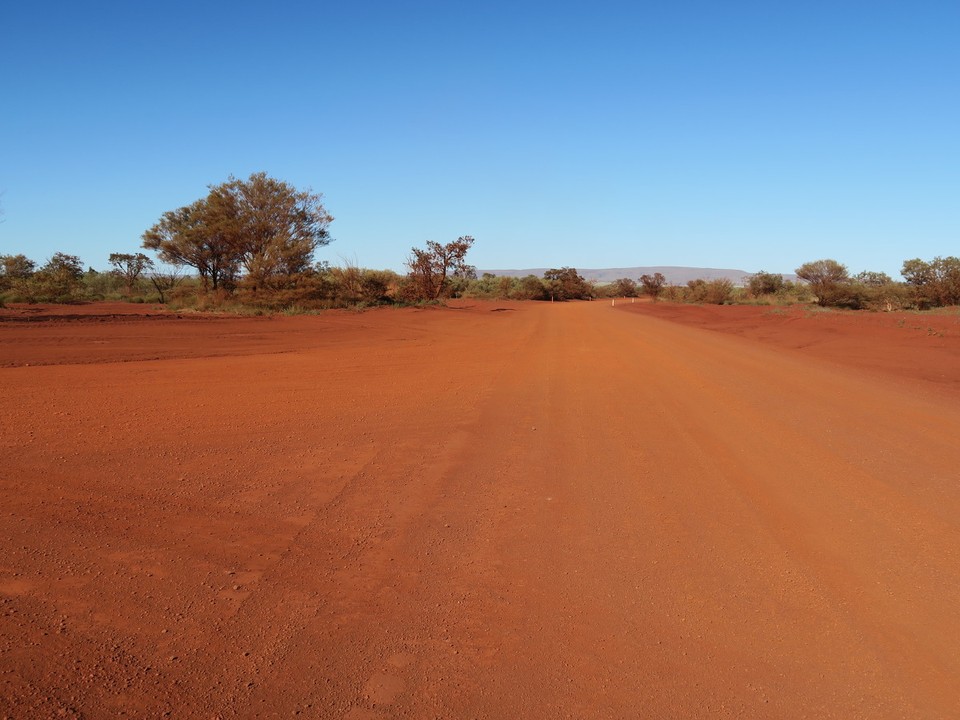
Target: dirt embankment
(922, 345)
(494, 510)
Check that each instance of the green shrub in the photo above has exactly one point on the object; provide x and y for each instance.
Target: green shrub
(764, 283)
(935, 283)
(719, 291)
(792, 293)
(104, 286)
(530, 287)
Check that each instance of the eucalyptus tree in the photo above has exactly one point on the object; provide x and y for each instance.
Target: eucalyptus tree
(261, 229)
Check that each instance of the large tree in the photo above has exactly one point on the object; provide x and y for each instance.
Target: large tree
(624, 287)
(60, 278)
(196, 236)
(261, 227)
(566, 284)
(936, 282)
(129, 267)
(653, 284)
(277, 227)
(432, 267)
(824, 277)
(14, 269)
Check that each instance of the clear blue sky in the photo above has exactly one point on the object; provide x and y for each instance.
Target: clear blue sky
(750, 135)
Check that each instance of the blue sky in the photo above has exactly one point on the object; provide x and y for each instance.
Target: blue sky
(750, 135)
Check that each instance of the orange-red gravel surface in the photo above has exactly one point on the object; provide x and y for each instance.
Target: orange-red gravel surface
(491, 510)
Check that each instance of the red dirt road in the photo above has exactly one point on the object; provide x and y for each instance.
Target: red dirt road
(503, 510)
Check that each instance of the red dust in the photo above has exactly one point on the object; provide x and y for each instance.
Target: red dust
(489, 510)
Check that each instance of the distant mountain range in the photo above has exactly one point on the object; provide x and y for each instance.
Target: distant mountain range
(674, 275)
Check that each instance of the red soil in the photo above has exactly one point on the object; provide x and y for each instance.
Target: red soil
(918, 345)
(494, 510)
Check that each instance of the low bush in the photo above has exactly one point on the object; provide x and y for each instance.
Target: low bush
(711, 292)
(763, 283)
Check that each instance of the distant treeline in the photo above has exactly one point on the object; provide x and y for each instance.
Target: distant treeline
(250, 244)
(134, 277)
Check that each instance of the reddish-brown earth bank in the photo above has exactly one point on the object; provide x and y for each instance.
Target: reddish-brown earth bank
(488, 511)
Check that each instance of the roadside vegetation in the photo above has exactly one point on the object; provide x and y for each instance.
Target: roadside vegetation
(249, 246)
(828, 284)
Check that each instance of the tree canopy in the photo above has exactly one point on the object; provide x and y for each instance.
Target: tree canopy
(566, 284)
(824, 277)
(624, 287)
(129, 267)
(936, 282)
(432, 267)
(60, 278)
(262, 228)
(764, 283)
(653, 284)
(872, 278)
(15, 267)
